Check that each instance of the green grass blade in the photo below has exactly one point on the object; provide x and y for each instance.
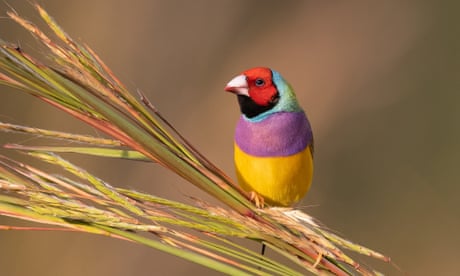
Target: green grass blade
(94, 151)
(199, 259)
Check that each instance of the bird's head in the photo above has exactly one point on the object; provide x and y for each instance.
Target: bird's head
(262, 91)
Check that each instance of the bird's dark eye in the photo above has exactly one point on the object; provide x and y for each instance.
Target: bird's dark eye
(259, 82)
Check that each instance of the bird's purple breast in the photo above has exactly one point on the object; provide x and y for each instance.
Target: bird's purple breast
(280, 134)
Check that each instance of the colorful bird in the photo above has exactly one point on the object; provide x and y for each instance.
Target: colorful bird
(273, 139)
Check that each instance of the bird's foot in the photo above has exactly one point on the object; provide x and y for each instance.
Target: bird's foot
(258, 200)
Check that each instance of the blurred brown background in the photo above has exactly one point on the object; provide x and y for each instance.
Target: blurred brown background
(380, 83)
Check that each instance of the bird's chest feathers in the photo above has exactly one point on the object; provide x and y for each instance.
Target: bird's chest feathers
(280, 134)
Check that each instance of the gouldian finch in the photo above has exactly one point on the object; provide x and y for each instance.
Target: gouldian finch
(273, 139)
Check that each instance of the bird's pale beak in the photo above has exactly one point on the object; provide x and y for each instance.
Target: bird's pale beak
(238, 85)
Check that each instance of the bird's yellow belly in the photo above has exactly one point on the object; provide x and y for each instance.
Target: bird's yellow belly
(281, 181)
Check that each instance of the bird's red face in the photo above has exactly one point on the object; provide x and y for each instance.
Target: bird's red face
(257, 84)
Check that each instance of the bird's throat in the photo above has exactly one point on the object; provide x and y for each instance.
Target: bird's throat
(250, 109)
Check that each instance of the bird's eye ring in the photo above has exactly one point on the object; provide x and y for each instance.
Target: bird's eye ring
(259, 82)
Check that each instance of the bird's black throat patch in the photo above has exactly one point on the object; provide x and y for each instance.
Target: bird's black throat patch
(249, 108)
